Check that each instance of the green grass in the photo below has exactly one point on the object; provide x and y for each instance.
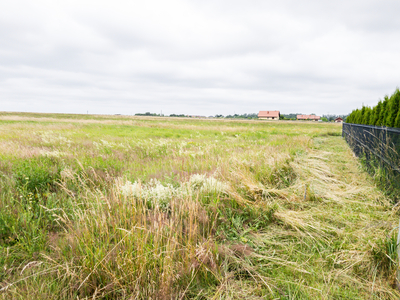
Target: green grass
(119, 207)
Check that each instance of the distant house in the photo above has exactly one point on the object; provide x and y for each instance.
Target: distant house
(339, 120)
(269, 115)
(308, 117)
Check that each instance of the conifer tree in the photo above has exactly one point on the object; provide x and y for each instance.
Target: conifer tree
(397, 120)
(366, 115)
(371, 116)
(393, 108)
(350, 118)
(376, 112)
(359, 116)
(356, 116)
(383, 112)
(362, 114)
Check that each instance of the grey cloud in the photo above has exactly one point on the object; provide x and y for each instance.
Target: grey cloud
(198, 57)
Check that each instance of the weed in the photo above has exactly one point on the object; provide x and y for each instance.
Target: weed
(385, 255)
(37, 176)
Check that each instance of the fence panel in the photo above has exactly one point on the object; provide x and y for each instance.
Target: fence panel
(379, 147)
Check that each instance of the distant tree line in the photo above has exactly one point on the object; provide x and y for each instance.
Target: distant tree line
(235, 116)
(291, 116)
(243, 116)
(385, 113)
(330, 118)
(148, 114)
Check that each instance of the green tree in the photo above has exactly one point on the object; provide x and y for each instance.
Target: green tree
(357, 115)
(375, 113)
(348, 120)
(371, 116)
(397, 120)
(354, 117)
(361, 114)
(383, 112)
(366, 115)
(393, 108)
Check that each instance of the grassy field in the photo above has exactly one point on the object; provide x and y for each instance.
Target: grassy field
(118, 207)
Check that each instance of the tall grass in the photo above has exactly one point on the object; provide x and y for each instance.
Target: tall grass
(184, 209)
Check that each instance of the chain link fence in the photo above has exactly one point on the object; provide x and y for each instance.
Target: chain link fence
(379, 149)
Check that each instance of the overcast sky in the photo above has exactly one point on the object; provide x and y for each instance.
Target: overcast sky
(197, 57)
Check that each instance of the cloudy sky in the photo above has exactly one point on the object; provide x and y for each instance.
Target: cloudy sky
(197, 57)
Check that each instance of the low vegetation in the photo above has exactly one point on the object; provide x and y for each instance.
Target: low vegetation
(115, 207)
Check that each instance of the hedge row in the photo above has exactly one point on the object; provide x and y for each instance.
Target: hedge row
(385, 113)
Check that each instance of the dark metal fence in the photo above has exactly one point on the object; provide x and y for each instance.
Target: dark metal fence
(379, 147)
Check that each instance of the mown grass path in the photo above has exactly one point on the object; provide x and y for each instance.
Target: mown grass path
(332, 237)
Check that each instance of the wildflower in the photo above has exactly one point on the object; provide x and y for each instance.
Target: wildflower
(207, 184)
(161, 194)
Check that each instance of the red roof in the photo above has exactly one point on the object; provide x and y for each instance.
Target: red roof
(268, 114)
(308, 117)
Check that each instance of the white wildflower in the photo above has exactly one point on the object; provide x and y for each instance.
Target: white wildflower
(158, 192)
(212, 185)
(104, 144)
(54, 153)
(49, 137)
(207, 184)
(154, 192)
(161, 194)
(107, 144)
(131, 189)
(197, 181)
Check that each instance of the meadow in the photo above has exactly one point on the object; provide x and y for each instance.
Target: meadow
(119, 207)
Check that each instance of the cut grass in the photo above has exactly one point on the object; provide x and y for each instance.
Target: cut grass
(112, 207)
